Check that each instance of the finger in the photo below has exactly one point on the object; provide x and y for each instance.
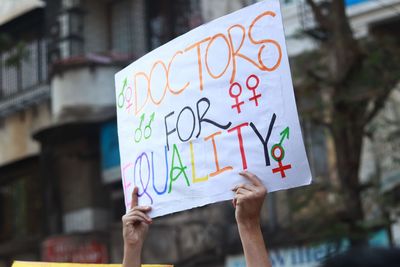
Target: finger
(245, 186)
(251, 177)
(131, 217)
(134, 201)
(239, 199)
(144, 209)
(243, 191)
(141, 210)
(234, 203)
(135, 219)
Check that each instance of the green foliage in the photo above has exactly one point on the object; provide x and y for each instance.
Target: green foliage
(18, 50)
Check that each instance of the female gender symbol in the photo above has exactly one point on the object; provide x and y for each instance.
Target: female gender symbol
(253, 88)
(236, 96)
(128, 100)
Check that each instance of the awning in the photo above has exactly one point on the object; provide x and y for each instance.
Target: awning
(11, 9)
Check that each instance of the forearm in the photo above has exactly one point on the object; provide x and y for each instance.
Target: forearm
(132, 256)
(253, 246)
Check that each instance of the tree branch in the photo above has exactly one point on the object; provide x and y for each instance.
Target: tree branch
(320, 78)
(379, 102)
(320, 18)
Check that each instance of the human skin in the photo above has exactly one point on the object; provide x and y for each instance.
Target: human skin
(135, 225)
(248, 201)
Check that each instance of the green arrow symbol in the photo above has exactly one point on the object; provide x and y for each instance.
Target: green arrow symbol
(284, 134)
(141, 120)
(152, 117)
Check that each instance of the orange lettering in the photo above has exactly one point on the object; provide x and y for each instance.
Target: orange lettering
(136, 90)
(166, 83)
(199, 63)
(229, 53)
(218, 169)
(262, 41)
(235, 53)
(169, 69)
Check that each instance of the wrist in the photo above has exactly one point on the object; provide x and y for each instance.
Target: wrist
(132, 255)
(249, 224)
(133, 247)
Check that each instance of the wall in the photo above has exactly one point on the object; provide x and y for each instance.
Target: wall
(214, 9)
(16, 130)
(83, 87)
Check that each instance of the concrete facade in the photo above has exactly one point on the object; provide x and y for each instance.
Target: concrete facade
(16, 131)
(90, 87)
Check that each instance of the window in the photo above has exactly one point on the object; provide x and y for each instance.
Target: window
(122, 27)
(28, 72)
(169, 19)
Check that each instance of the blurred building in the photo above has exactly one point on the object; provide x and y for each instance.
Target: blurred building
(61, 197)
(57, 112)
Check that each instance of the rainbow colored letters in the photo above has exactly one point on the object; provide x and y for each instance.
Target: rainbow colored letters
(210, 103)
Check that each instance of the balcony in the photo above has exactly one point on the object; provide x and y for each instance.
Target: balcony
(25, 82)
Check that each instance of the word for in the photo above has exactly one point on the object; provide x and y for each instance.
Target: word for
(161, 70)
(176, 168)
(146, 133)
(200, 117)
(250, 87)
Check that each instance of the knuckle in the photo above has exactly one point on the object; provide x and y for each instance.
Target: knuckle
(263, 190)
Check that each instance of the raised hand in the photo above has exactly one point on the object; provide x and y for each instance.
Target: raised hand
(248, 202)
(135, 225)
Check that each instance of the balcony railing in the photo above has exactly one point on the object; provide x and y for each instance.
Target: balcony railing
(24, 82)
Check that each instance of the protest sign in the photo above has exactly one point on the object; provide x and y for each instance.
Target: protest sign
(217, 100)
(56, 264)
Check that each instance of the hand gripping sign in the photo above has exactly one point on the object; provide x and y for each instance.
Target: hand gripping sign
(210, 103)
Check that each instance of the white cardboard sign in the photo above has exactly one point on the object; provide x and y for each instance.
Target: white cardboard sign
(208, 104)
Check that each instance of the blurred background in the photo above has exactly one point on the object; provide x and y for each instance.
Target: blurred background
(61, 195)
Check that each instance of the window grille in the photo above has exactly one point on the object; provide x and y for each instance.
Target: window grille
(24, 81)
